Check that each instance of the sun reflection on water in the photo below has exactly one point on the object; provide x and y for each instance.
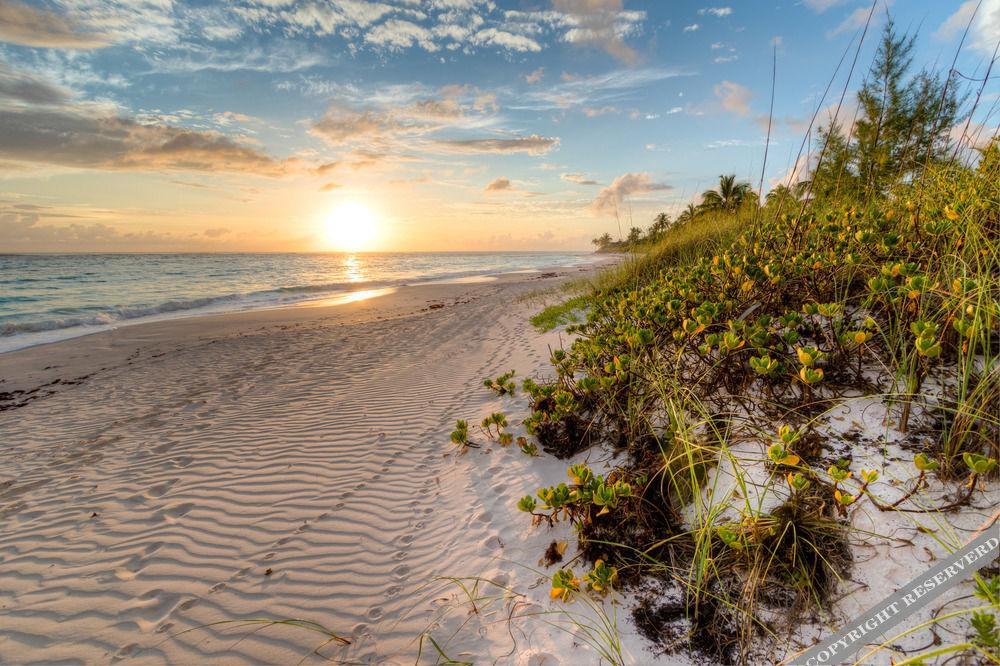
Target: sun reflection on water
(354, 269)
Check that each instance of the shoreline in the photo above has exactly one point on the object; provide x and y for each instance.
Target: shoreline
(32, 334)
(27, 368)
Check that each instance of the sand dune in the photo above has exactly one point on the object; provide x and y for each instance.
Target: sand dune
(289, 464)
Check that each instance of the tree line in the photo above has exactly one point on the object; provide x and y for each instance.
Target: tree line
(902, 124)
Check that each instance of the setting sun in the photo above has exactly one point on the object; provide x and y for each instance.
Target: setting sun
(351, 227)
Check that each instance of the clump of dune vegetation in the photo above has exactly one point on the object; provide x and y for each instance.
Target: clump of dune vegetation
(712, 361)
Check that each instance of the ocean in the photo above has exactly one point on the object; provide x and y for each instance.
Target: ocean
(49, 297)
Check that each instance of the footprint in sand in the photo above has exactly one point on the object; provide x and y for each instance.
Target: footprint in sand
(160, 489)
(175, 511)
(125, 652)
(152, 548)
(242, 572)
(189, 604)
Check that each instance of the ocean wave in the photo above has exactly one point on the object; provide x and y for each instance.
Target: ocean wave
(51, 298)
(111, 315)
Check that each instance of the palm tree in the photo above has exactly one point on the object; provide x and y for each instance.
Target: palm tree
(784, 193)
(688, 214)
(779, 193)
(602, 241)
(729, 196)
(659, 227)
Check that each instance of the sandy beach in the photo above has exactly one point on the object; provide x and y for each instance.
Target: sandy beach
(280, 464)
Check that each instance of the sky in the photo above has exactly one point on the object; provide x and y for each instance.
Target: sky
(267, 125)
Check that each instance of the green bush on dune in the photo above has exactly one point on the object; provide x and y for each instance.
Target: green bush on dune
(878, 278)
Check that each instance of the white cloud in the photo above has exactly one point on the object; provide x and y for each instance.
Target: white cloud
(499, 185)
(532, 145)
(610, 199)
(734, 97)
(396, 34)
(821, 6)
(592, 112)
(505, 40)
(972, 135)
(611, 89)
(985, 29)
(383, 26)
(691, 28)
(602, 24)
(856, 20)
(720, 12)
(577, 178)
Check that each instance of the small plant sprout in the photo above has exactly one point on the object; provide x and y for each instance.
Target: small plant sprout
(607, 496)
(789, 436)
(765, 365)
(527, 448)
(493, 426)
(809, 356)
(986, 632)
(460, 435)
(729, 537)
(838, 474)
(797, 482)
(830, 310)
(527, 504)
(781, 455)
(580, 474)
(502, 385)
(556, 499)
(602, 578)
(811, 376)
(506, 438)
(924, 463)
(926, 343)
(564, 585)
(979, 465)
(858, 337)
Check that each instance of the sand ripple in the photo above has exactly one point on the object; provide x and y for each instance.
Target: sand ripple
(288, 473)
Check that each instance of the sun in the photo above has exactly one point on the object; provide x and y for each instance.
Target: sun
(350, 227)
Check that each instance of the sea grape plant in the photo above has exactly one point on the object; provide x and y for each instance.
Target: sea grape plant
(501, 385)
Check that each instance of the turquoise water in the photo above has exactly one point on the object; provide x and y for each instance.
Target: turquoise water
(44, 298)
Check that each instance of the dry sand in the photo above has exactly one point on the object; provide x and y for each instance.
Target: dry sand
(276, 464)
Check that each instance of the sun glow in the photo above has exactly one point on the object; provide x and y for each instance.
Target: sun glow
(351, 227)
